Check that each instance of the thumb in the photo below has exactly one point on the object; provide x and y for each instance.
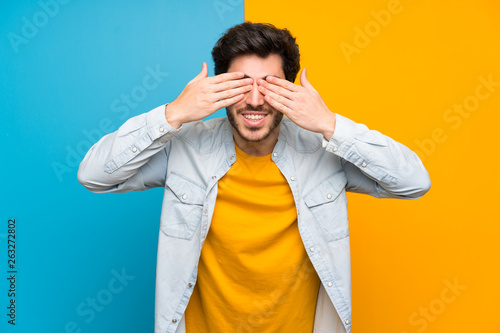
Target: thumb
(304, 82)
(203, 73)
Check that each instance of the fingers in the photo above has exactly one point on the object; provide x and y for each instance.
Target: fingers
(278, 93)
(288, 102)
(203, 73)
(227, 102)
(282, 83)
(278, 106)
(304, 82)
(227, 85)
(223, 83)
(229, 80)
(226, 77)
(225, 94)
(265, 87)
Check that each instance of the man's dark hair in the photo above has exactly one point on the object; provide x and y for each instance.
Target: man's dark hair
(261, 39)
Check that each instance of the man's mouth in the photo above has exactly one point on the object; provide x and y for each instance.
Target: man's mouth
(254, 119)
(254, 116)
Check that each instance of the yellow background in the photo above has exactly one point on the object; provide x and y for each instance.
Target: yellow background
(426, 59)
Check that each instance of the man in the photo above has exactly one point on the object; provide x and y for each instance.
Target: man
(254, 233)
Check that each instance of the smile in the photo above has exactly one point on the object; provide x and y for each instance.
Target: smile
(254, 116)
(254, 119)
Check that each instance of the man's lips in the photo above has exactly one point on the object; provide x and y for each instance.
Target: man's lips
(254, 118)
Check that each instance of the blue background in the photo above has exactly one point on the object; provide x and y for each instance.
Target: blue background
(62, 87)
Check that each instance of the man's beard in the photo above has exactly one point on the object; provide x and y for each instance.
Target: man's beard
(270, 113)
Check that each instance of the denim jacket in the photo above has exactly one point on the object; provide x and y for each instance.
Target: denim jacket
(147, 152)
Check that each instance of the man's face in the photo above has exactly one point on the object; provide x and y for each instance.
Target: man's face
(253, 119)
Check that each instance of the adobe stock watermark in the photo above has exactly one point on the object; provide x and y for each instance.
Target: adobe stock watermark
(121, 106)
(88, 309)
(372, 29)
(47, 10)
(224, 6)
(455, 116)
(425, 315)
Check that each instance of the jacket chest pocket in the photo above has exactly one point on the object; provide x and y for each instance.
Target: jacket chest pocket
(183, 202)
(328, 205)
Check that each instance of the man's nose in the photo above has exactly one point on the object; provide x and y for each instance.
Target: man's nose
(254, 97)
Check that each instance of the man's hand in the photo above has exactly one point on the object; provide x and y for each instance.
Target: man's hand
(302, 104)
(204, 95)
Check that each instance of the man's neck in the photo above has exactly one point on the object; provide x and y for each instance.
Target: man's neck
(257, 148)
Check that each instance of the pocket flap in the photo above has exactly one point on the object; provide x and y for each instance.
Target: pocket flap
(326, 191)
(185, 189)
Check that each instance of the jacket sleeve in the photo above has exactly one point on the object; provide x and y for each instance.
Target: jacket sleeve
(375, 164)
(134, 158)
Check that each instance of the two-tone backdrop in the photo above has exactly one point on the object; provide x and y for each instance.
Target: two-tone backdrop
(423, 72)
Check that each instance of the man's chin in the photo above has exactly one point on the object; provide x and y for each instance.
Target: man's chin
(253, 134)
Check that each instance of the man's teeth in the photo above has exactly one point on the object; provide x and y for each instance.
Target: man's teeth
(254, 116)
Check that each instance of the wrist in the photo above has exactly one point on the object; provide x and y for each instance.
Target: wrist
(170, 116)
(329, 126)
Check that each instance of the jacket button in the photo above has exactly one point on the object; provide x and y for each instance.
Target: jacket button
(312, 249)
(190, 285)
(161, 129)
(335, 149)
(363, 165)
(184, 197)
(347, 322)
(214, 177)
(174, 321)
(329, 284)
(328, 196)
(275, 154)
(292, 178)
(134, 149)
